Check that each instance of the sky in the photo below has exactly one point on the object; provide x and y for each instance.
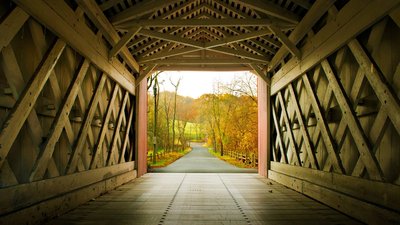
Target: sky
(193, 83)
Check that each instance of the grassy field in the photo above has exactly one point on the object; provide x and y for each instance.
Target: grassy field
(193, 131)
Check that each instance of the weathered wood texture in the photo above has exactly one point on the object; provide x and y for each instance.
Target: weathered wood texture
(336, 132)
(105, 181)
(65, 120)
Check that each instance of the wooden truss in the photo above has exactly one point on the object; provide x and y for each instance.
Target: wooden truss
(335, 111)
(69, 113)
(166, 34)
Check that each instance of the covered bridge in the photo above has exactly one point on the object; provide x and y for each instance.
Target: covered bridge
(73, 95)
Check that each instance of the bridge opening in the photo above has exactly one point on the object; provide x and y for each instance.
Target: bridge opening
(214, 113)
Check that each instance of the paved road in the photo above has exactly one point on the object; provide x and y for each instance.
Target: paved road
(199, 160)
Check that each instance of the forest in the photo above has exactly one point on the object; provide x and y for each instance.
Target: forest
(225, 120)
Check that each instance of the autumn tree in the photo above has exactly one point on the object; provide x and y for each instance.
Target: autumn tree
(230, 117)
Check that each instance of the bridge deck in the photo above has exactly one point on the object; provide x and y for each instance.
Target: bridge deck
(199, 198)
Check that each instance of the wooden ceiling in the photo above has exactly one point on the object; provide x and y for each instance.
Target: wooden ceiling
(204, 34)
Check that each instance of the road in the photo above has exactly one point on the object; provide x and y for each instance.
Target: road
(199, 160)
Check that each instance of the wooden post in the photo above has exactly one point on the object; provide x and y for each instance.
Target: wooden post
(141, 127)
(264, 95)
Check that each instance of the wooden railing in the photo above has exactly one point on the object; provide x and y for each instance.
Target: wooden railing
(248, 159)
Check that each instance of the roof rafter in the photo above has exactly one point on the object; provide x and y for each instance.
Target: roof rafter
(316, 11)
(96, 15)
(212, 22)
(237, 38)
(140, 9)
(271, 9)
(212, 46)
(285, 40)
(124, 40)
(168, 37)
(257, 71)
(216, 61)
(249, 29)
(145, 73)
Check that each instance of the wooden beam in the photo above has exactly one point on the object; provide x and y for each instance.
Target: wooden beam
(140, 131)
(272, 41)
(212, 22)
(54, 207)
(27, 100)
(279, 135)
(258, 72)
(168, 37)
(292, 141)
(124, 40)
(213, 44)
(303, 129)
(224, 50)
(62, 116)
(24, 195)
(354, 196)
(239, 52)
(109, 4)
(271, 9)
(15, 79)
(211, 68)
(141, 9)
(363, 146)
(81, 98)
(264, 126)
(155, 44)
(104, 128)
(39, 41)
(317, 10)
(87, 122)
(166, 16)
(323, 126)
(97, 16)
(237, 38)
(285, 41)
(62, 20)
(164, 54)
(117, 128)
(208, 61)
(127, 130)
(376, 135)
(303, 3)
(377, 192)
(389, 100)
(145, 73)
(258, 48)
(354, 17)
(11, 25)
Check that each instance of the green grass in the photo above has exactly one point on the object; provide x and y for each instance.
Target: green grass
(190, 131)
(168, 158)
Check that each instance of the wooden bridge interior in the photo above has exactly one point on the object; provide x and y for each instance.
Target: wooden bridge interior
(73, 95)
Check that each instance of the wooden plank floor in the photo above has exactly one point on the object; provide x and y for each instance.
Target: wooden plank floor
(195, 198)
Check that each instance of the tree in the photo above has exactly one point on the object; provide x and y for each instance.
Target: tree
(176, 86)
(229, 116)
(167, 110)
